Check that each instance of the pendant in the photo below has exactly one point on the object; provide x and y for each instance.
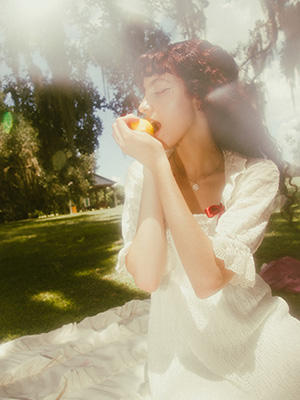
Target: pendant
(195, 187)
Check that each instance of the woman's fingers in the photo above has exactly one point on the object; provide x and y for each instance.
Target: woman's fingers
(117, 135)
(130, 118)
(121, 124)
(131, 142)
(120, 133)
(121, 127)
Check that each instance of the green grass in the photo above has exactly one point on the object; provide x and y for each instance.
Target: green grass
(58, 270)
(281, 240)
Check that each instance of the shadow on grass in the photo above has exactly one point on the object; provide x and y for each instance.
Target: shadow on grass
(55, 271)
(282, 239)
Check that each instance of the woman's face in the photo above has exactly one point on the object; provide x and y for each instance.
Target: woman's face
(167, 103)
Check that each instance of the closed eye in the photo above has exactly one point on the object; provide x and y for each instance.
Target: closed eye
(158, 93)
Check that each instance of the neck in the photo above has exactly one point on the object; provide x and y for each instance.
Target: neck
(198, 155)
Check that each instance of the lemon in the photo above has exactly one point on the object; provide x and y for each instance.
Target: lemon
(143, 126)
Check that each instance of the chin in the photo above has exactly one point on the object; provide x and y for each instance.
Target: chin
(165, 142)
(166, 146)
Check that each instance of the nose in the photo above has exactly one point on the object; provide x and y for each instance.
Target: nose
(144, 107)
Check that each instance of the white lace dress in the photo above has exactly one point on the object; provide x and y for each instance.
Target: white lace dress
(241, 343)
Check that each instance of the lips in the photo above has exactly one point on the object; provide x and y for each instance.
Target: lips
(156, 126)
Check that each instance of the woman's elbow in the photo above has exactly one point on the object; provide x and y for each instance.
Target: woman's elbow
(146, 285)
(204, 294)
(210, 288)
(148, 276)
(143, 281)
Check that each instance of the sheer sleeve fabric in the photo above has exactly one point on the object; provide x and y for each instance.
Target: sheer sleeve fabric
(241, 228)
(130, 215)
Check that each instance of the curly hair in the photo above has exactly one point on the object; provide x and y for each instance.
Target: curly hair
(211, 75)
(202, 66)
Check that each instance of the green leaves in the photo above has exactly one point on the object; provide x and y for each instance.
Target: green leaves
(7, 122)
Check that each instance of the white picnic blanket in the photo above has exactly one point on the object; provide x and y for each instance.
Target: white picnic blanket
(102, 357)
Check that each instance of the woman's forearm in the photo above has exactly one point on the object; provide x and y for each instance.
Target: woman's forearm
(147, 253)
(206, 273)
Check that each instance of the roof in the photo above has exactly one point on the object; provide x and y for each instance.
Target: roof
(100, 181)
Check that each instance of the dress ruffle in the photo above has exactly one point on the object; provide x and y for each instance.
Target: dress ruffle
(237, 258)
(101, 357)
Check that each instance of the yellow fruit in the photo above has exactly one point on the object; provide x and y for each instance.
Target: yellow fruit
(143, 126)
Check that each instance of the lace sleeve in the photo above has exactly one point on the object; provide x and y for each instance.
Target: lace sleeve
(133, 193)
(241, 228)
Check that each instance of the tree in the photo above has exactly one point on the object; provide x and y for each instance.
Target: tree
(279, 31)
(21, 174)
(64, 114)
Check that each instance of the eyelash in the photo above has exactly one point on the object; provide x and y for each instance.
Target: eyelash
(161, 92)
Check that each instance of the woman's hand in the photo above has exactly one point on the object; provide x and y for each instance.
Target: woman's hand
(139, 145)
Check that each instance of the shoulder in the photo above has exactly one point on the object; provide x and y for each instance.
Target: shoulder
(263, 167)
(249, 177)
(250, 168)
(262, 175)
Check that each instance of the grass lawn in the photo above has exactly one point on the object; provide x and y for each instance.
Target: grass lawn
(58, 270)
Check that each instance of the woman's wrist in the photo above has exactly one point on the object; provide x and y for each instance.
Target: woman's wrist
(160, 163)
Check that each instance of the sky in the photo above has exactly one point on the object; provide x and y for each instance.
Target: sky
(228, 23)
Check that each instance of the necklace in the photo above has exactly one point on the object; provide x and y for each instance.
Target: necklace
(196, 184)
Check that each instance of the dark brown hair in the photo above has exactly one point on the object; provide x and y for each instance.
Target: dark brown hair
(202, 66)
(210, 75)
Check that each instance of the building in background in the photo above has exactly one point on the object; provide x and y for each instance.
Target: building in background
(102, 193)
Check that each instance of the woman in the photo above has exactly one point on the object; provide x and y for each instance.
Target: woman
(197, 204)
